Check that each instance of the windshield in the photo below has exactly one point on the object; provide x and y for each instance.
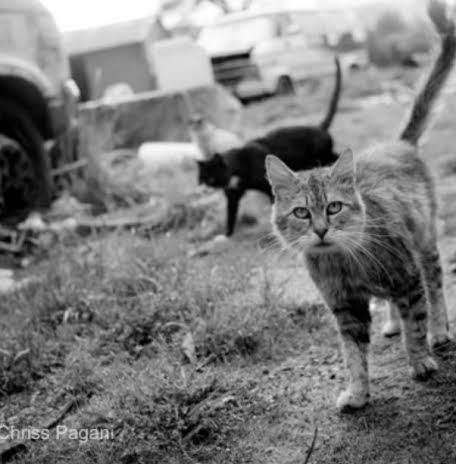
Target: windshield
(237, 35)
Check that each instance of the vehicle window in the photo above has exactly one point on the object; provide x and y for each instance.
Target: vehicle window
(239, 34)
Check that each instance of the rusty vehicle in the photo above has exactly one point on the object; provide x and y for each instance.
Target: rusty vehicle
(38, 104)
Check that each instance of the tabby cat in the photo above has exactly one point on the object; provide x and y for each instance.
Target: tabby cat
(241, 169)
(367, 227)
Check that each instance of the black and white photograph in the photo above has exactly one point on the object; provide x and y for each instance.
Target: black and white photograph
(228, 231)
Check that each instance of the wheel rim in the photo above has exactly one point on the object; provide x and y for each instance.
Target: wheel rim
(17, 180)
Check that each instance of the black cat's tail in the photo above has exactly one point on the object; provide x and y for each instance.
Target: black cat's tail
(425, 100)
(326, 123)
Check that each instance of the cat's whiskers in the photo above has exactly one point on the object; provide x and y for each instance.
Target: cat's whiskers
(377, 265)
(390, 249)
(346, 245)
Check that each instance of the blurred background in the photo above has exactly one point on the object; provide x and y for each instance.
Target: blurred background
(242, 38)
(82, 80)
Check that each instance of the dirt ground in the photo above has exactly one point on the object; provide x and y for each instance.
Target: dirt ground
(226, 358)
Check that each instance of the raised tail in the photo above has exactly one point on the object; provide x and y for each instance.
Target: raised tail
(426, 98)
(334, 99)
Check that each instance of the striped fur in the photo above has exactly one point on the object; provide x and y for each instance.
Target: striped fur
(366, 228)
(422, 108)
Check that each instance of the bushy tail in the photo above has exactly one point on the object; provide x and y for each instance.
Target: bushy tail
(424, 101)
(334, 99)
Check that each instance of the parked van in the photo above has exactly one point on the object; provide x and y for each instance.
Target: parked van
(37, 102)
(256, 53)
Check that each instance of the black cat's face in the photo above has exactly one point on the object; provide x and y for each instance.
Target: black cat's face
(213, 172)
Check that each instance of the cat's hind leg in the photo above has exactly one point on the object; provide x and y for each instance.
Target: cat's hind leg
(354, 325)
(392, 324)
(413, 310)
(438, 326)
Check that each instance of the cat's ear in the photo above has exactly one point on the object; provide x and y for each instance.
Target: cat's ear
(217, 158)
(279, 175)
(344, 167)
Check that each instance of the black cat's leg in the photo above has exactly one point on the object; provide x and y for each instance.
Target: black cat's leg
(233, 197)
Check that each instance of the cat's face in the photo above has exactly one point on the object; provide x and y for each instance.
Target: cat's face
(319, 210)
(213, 172)
(199, 124)
(196, 123)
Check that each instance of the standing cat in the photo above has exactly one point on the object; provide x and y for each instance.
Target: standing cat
(367, 227)
(243, 168)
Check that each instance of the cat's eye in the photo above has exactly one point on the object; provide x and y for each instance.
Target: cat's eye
(334, 207)
(301, 213)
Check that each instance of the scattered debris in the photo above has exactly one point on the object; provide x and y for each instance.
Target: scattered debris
(216, 245)
(67, 206)
(188, 348)
(10, 283)
(312, 446)
(11, 241)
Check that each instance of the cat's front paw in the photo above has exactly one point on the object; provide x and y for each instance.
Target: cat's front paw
(441, 341)
(352, 399)
(391, 328)
(423, 368)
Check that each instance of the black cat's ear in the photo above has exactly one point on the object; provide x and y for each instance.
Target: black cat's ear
(280, 176)
(344, 167)
(217, 158)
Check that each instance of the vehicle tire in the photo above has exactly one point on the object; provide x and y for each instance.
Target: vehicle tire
(285, 86)
(26, 182)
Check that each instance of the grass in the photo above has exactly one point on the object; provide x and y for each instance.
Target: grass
(226, 358)
(107, 326)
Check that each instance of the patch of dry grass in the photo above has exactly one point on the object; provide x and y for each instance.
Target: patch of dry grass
(147, 341)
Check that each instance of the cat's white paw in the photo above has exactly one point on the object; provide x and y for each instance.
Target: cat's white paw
(391, 328)
(220, 239)
(439, 342)
(352, 399)
(423, 368)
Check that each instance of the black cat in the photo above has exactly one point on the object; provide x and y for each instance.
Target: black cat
(241, 169)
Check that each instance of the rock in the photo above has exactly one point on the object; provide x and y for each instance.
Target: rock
(34, 222)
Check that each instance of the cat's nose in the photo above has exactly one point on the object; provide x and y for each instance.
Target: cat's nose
(321, 231)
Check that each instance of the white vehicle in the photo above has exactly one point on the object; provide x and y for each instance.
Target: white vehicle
(257, 53)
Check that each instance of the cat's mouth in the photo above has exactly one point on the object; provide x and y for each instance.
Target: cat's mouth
(322, 245)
